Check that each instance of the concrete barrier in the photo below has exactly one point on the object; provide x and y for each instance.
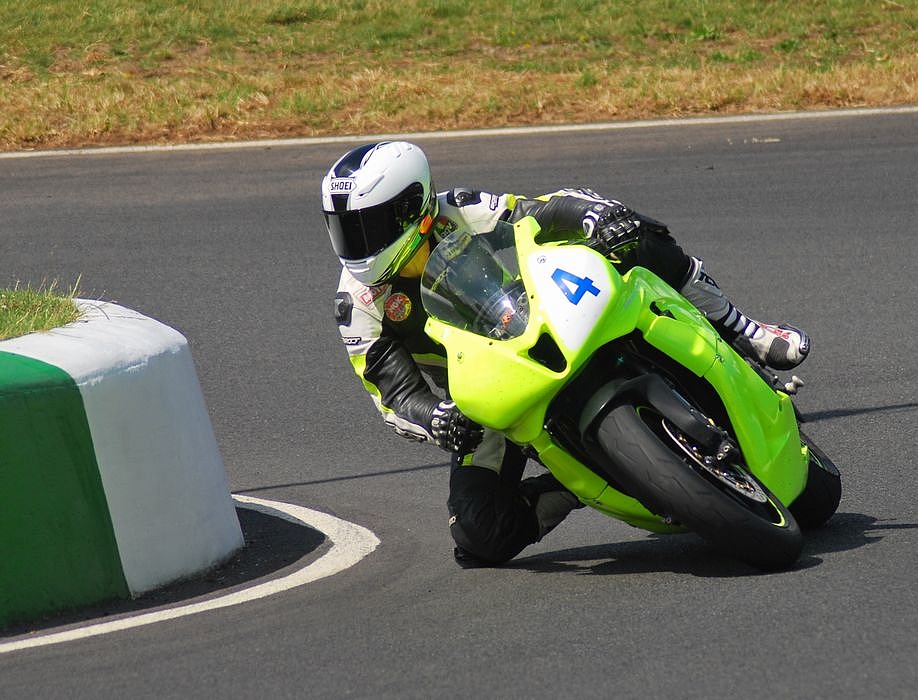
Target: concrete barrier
(111, 482)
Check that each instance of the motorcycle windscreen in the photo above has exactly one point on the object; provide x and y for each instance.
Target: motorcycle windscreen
(472, 281)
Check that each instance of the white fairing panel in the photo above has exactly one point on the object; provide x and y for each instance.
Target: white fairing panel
(572, 285)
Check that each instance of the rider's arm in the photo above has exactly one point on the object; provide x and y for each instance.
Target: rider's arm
(607, 223)
(398, 389)
(386, 369)
(392, 377)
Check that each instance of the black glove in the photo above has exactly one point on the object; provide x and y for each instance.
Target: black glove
(453, 431)
(611, 226)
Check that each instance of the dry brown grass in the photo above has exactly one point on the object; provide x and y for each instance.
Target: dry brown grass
(308, 68)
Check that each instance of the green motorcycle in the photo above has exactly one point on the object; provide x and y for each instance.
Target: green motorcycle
(623, 390)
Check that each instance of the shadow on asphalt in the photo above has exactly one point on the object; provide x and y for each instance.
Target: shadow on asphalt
(687, 553)
(271, 545)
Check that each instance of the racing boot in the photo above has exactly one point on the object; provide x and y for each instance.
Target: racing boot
(551, 502)
(779, 347)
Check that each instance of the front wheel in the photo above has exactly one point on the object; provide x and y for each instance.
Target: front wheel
(711, 492)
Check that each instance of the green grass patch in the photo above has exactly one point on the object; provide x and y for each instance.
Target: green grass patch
(25, 310)
(86, 72)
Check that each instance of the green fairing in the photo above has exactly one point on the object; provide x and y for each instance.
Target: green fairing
(495, 382)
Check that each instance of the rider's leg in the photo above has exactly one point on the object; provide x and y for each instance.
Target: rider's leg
(494, 515)
(779, 347)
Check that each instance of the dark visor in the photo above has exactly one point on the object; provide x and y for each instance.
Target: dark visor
(356, 235)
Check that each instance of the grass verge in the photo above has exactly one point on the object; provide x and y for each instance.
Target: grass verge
(94, 72)
(26, 310)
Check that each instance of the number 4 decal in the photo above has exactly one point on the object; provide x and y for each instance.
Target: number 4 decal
(573, 287)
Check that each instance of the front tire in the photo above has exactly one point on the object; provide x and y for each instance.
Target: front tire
(675, 477)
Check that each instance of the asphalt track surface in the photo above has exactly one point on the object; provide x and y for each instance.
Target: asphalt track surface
(805, 220)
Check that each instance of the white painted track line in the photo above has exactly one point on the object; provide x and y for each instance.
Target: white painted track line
(548, 129)
(350, 544)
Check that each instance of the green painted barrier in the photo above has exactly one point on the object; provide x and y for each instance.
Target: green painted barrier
(111, 481)
(50, 488)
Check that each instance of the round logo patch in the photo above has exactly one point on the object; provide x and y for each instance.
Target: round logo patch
(398, 307)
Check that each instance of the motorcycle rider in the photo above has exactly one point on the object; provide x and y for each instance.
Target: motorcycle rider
(383, 215)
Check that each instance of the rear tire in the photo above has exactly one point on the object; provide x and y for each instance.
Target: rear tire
(822, 494)
(665, 470)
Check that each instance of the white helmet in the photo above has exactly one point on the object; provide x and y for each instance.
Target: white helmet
(379, 204)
